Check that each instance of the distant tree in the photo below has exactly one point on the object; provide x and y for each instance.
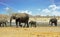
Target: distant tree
(9, 10)
(48, 16)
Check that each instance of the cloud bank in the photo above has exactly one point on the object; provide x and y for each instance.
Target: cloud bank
(51, 10)
(25, 11)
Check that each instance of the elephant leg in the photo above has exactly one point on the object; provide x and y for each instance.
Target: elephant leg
(55, 24)
(35, 25)
(5, 24)
(24, 25)
(0, 25)
(51, 24)
(16, 23)
(20, 24)
(31, 24)
(27, 24)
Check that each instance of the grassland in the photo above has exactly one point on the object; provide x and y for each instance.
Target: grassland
(43, 29)
(30, 32)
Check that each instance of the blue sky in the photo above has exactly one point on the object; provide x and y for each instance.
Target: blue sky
(33, 7)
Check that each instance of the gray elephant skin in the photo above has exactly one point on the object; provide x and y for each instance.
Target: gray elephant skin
(3, 22)
(53, 20)
(21, 18)
(32, 23)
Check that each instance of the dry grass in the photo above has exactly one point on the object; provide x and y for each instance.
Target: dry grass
(30, 32)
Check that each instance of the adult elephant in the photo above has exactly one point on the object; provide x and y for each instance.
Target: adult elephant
(53, 20)
(21, 18)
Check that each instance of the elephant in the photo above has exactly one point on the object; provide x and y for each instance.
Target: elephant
(3, 22)
(21, 18)
(53, 20)
(33, 23)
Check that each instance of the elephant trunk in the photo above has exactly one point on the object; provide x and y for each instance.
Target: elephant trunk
(49, 22)
(10, 21)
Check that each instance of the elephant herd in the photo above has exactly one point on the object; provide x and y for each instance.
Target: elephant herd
(24, 18)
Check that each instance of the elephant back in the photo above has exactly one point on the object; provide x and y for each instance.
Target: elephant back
(32, 22)
(22, 16)
(3, 20)
(53, 20)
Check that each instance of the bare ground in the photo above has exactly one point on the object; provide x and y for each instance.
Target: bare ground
(30, 32)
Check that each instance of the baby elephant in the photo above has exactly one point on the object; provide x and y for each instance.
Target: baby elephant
(3, 22)
(33, 23)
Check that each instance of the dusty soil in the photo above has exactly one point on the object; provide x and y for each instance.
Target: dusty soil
(30, 32)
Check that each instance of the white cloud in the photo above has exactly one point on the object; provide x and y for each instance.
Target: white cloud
(46, 10)
(56, 13)
(51, 10)
(7, 8)
(18, 10)
(25, 11)
(42, 15)
(58, 7)
(54, 7)
(54, 10)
